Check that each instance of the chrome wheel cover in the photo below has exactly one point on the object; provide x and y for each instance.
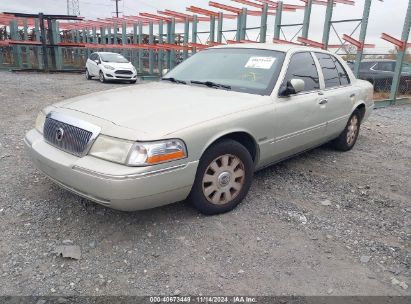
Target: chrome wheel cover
(223, 179)
(352, 130)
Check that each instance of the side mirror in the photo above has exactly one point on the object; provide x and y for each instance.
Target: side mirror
(164, 71)
(293, 86)
(97, 61)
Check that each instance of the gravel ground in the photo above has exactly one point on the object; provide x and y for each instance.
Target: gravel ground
(323, 223)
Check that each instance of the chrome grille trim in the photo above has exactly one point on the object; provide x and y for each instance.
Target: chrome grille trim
(78, 135)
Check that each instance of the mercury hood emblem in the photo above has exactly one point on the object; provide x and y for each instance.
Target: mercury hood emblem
(59, 134)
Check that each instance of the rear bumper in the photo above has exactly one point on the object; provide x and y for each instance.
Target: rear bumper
(143, 188)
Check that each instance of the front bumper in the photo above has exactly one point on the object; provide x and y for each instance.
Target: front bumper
(117, 75)
(112, 185)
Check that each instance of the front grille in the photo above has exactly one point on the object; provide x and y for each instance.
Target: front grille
(66, 137)
(124, 72)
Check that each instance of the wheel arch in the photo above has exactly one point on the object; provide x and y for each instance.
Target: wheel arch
(241, 136)
(361, 108)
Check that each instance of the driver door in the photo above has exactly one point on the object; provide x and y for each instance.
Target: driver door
(300, 120)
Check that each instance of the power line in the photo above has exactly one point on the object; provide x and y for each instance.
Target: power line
(116, 12)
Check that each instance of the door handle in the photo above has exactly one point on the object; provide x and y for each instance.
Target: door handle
(323, 101)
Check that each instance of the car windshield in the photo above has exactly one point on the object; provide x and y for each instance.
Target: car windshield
(238, 69)
(117, 58)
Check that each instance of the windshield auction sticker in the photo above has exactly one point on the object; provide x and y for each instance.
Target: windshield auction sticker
(260, 63)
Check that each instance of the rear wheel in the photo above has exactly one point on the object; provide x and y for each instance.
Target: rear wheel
(101, 77)
(88, 76)
(223, 178)
(348, 137)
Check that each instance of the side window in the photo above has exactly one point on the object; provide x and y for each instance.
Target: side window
(344, 79)
(93, 56)
(385, 66)
(331, 77)
(302, 66)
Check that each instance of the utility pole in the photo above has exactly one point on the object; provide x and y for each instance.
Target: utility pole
(116, 12)
(73, 7)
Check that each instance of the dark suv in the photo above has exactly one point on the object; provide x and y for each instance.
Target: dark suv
(380, 73)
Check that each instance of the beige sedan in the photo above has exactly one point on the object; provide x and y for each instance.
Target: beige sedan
(203, 130)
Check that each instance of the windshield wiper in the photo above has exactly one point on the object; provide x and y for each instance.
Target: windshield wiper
(212, 84)
(172, 79)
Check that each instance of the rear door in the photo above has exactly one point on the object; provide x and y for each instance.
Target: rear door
(300, 119)
(93, 65)
(339, 93)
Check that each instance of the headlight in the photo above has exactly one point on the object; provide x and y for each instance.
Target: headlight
(138, 153)
(111, 148)
(109, 67)
(40, 120)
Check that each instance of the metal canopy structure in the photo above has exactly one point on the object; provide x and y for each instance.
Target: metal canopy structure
(150, 40)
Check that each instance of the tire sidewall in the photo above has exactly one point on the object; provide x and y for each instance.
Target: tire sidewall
(197, 197)
(101, 77)
(341, 142)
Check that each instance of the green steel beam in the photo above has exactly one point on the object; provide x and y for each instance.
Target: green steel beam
(140, 51)
(94, 33)
(58, 52)
(27, 48)
(327, 23)
(115, 32)
(239, 24)
(243, 31)
(150, 52)
(220, 27)
(160, 52)
(263, 25)
(278, 18)
(194, 32)
(172, 41)
(212, 29)
(363, 33)
(16, 49)
(124, 33)
(135, 41)
(307, 17)
(186, 34)
(401, 55)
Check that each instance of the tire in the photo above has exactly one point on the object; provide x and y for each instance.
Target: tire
(133, 81)
(88, 76)
(348, 137)
(221, 189)
(101, 77)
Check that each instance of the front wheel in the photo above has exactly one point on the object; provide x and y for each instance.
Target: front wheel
(101, 77)
(348, 137)
(223, 178)
(88, 76)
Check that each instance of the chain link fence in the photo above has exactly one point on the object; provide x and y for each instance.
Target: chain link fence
(379, 69)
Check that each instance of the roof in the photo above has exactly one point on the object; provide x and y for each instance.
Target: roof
(268, 46)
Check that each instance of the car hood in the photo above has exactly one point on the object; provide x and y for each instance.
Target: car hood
(162, 108)
(119, 65)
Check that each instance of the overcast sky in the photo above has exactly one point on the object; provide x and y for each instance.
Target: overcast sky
(387, 16)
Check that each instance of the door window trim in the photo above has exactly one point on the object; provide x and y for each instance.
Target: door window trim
(319, 67)
(285, 74)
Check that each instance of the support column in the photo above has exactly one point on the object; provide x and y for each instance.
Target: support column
(307, 17)
(16, 48)
(327, 23)
(278, 20)
(186, 33)
(220, 27)
(363, 33)
(27, 48)
(172, 41)
(140, 51)
(263, 25)
(212, 28)
(160, 52)
(194, 33)
(150, 52)
(401, 55)
(243, 31)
